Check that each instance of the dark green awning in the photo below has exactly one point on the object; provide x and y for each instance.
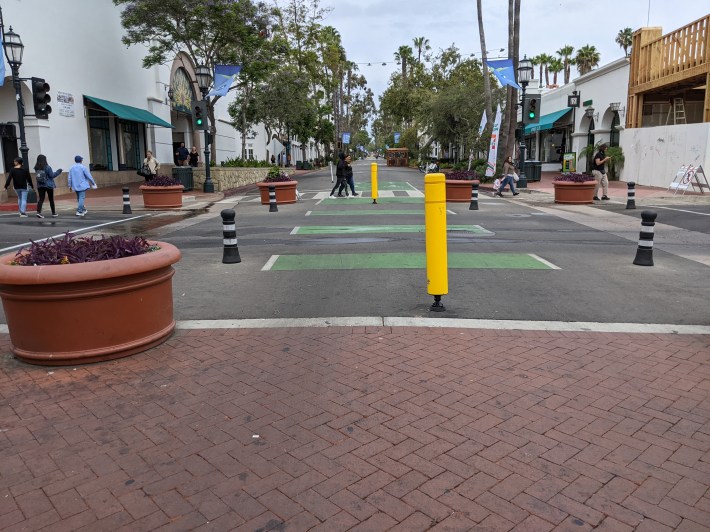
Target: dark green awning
(546, 121)
(129, 113)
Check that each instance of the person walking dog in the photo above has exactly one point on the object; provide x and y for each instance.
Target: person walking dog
(80, 181)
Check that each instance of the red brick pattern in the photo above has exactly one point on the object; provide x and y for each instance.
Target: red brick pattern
(363, 429)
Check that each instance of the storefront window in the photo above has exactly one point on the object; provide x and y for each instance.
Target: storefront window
(129, 148)
(614, 133)
(100, 140)
(553, 143)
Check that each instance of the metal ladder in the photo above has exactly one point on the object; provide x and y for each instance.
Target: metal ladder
(678, 110)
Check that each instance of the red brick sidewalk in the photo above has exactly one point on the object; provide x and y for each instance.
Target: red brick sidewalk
(363, 429)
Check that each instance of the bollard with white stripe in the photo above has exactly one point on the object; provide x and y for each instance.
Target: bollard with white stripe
(273, 207)
(631, 195)
(126, 201)
(644, 253)
(229, 234)
(474, 196)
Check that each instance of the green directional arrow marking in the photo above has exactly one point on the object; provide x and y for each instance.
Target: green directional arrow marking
(360, 229)
(364, 261)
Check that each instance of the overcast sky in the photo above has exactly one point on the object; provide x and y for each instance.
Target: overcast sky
(372, 30)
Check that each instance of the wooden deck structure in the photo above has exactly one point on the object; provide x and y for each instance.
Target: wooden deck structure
(668, 67)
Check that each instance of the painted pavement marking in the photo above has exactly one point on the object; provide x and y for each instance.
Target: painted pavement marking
(359, 229)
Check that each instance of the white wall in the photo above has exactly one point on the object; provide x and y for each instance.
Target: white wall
(654, 154)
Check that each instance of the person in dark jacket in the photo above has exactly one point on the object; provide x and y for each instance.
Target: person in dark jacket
(349, 178)
(45, 184)
(341, 181)
(21, 179)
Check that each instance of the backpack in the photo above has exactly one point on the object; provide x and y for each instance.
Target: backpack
(41, 178)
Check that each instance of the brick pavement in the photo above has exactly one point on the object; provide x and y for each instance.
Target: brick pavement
(354, 428)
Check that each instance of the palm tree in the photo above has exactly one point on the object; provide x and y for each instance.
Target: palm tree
(486, 77)
(421, 44)
(546, 59)
(586, 59)
(566, 54)
(403, 56)
(624, 38)
(555, 66)
(539, 60)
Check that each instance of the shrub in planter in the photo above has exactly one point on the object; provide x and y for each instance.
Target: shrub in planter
(162, 192)
(458, 185)
(462, 175)
(77, 300)
(573, 177)
(285, 186)
(574, 188)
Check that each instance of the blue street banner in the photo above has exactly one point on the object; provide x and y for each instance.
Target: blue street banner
(224, 76)
(346, 138)
(503, 70)
(2, 63)
(396, 138)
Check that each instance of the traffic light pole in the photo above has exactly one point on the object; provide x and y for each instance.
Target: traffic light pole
(208, 187)
(24, 150)
(522, 181)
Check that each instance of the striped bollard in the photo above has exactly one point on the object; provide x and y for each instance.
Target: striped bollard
(474, 195)
(126, 201)
(644, 253)
(229, 234)
(273, 207)
(631, 195)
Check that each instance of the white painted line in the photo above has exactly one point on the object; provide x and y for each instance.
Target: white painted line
(270, 263)
(294, 231)
(308, 213)
(679, 210)
(548, 263)
(77, 232)
(450, 211)
(509, 325)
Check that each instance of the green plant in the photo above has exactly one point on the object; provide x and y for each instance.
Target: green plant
(275, 174)
(615, 164)
(573, 178)
(238, 162)
(163, 181)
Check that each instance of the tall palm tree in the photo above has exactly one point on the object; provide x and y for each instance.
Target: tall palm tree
(586, 59)
(404, 55)
(565, 54)
(624, 38)
(486, 77)
(555, 66)
(421, 44)
(546, 59)
(539, 60)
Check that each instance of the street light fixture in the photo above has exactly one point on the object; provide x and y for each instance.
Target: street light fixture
(13, 51)
(204, 80)
(525, 74)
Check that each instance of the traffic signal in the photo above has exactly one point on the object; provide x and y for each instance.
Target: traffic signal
(199, 116)
(531, 109)
(41, 98)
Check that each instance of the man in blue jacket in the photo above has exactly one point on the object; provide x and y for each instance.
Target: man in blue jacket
(80, 181)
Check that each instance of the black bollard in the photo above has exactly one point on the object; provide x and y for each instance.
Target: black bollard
(229, 234)
(644, 253)
(437, 305)
(474, 197)
(126, 201)
(631, 195)
(273, 207)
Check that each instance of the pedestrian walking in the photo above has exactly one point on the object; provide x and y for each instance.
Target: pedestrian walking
(509, 177)
(80, 181)
(341, 180)
(21, 182)
(599, 172)
(150, 166)
(349, 177)
(194, 157)
(182, 154)
(45, 184)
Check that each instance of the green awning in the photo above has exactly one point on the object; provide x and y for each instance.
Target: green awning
(546, 121)
(129, 113)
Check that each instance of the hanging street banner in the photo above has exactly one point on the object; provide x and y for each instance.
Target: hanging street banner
(484, 121)
(396, 138)
(224, 76)
(503, 70)
(493, 151)
(2, 64)
(346, 138)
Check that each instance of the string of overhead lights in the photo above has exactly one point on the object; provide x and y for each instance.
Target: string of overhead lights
(385, 63)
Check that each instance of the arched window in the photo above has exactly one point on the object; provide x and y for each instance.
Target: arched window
(614, 133)
(590, 142)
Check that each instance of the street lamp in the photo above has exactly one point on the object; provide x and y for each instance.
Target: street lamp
(525, 74)
(13, 51)
(204, 79)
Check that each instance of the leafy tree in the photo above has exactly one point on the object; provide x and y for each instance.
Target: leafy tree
(566, 54)
(624, 39)
(586, 59)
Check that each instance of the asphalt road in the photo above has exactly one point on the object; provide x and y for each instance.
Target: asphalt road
(591, 276)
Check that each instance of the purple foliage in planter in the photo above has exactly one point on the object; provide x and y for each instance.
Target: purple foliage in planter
(163, 181)
(74, 250)
(573, 178)
(278, 178)
(462, 175)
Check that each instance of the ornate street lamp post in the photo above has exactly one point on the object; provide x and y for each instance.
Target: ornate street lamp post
(13, 51)
(204, 80)
(525, 74)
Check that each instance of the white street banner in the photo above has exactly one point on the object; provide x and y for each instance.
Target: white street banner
(493, 151)
(484, 121)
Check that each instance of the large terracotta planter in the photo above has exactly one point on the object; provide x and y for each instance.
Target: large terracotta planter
(574, 193)
(285, 191)
(80, 313)
(169, 197)
(459, 190)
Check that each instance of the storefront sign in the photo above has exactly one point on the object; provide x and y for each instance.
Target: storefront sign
(569, 162)
(65, 102)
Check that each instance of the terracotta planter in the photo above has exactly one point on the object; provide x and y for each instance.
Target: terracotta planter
(162, 197)
(81, 313)
(459, 190)
(574, 193)
(285, 191)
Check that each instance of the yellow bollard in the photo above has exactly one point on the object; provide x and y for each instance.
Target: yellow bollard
(437, 261)
(373, 176)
